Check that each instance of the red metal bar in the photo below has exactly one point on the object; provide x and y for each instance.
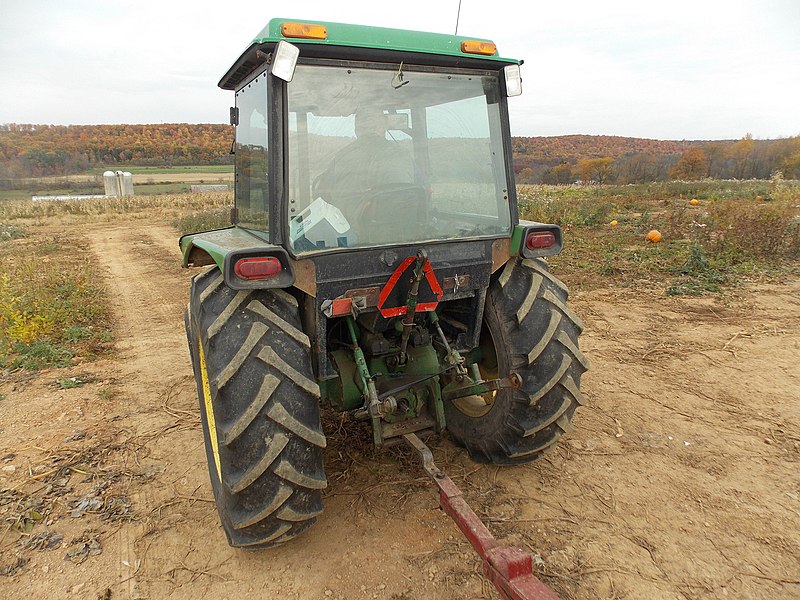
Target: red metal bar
(509, 569)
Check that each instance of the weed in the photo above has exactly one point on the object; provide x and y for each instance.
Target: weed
(755, 229)
(706, 248)
(697, 275)
(36, 355)
(50, 305)
(69, 383)
(693, 287)
(564, 211)
(10, 232)
(203, 221)
(77, 333)
(168, 204)
(608, 266)
(107, 393)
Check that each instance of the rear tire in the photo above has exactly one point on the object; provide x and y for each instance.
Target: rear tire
(259, 406)
(527, 328)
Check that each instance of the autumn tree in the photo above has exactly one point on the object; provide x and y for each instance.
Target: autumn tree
(693, 164)
(525, 175)
(560, 174)
(595, 170)
(742, 154)
(36, 150)
(790, 166)
(639, 167)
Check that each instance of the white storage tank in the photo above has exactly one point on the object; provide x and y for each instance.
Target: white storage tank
(126, 184)
(110, 184)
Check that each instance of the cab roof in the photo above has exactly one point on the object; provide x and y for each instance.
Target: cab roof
(359, 42)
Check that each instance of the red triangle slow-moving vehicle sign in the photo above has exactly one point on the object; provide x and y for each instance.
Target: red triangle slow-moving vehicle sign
(394, 295)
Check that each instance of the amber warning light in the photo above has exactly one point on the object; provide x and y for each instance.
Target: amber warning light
(478, 47)
(304, 31)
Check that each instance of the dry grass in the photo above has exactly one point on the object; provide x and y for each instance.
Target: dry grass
(204, 220)
(165, 206)
(748, 229)
(52, 309)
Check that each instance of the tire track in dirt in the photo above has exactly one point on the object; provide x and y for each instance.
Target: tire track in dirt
(148, 295)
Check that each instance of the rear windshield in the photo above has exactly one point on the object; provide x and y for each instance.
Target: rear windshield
(390, 156)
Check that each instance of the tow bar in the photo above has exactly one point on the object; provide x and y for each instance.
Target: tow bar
(509, 569)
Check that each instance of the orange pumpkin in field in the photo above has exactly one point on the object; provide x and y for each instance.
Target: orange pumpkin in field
(614, 223)
(654, 236)
(694, 201)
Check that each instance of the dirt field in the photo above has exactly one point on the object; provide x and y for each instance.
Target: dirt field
(680, 480)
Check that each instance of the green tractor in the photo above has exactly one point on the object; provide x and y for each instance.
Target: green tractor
(376, 262)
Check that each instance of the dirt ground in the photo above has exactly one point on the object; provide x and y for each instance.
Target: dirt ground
(681, 478)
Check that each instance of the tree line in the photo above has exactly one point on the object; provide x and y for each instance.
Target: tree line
(46, 150)
(609, 159)
(41, 150)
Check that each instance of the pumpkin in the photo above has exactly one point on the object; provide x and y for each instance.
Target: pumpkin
(614, 223)
(694, 201)
(654, 236)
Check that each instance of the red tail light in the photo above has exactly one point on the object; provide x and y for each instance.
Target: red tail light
(536, 240)
(259, 267)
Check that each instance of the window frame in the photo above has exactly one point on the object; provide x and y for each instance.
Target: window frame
(281, 104)
(273, 142)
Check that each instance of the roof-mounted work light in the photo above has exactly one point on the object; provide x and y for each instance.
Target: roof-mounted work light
(513, 80)
(284, 60)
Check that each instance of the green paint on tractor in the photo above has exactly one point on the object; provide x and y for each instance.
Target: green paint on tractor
(360, 36)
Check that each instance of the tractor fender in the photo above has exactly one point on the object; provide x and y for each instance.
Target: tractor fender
(224, 247)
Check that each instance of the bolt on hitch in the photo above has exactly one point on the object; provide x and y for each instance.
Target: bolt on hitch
(469, 387)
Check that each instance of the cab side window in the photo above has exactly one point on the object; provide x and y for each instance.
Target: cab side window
(252, 175)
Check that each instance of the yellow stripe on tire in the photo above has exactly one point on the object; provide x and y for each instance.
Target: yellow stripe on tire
(212, 426)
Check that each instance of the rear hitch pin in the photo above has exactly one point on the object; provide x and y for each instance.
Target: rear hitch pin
(411, 303)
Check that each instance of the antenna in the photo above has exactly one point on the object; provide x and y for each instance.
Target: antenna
(458, 16)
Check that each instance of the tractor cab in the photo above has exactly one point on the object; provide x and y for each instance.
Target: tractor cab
(402, 141)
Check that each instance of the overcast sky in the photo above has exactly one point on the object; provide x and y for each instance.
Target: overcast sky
(697, 69)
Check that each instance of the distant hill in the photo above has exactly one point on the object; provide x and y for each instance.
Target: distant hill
(601, 158)
(553, 159)
(572, 147)
(38, 150)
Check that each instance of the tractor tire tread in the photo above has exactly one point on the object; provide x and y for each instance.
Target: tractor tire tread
(265, 404)
(527, 313)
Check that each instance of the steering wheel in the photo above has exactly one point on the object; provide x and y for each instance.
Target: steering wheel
(389, 203)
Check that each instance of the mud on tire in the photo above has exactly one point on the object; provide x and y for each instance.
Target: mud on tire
(534, 333)
(259, 404)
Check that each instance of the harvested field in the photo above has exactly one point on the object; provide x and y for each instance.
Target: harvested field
(680, 479)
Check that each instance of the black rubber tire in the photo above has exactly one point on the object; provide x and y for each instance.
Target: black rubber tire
(265, 409)
(535, 334)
